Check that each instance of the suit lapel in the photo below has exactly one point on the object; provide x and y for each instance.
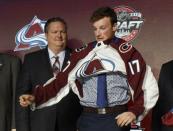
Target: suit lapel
(46, 62)
(67, 56)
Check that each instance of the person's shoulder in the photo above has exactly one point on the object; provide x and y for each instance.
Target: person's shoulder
(69, 50)
(92, 43)
(168, 64)
(35, 56)
(10, 56)
(124, 47)
(119, 40)
(83, 48)
(36, 53)
(167, 67)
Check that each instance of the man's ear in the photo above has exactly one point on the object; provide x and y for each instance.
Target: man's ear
(114, 27)
(46, 35)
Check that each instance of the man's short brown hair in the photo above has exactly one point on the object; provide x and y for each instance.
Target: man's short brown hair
(104, 12)
(54, 19)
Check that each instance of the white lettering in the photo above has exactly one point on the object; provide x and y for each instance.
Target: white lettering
(132, 64)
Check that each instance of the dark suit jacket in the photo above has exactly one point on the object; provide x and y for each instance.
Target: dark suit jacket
(9, 70)
(165, 101)
(37, 70)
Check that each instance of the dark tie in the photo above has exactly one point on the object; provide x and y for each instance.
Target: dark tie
(101, 91)
(56, 65)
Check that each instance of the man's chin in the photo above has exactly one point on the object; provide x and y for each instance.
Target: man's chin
(60, 46)
(100, 40)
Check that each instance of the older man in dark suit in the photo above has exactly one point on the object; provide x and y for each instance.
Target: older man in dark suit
(9, 70)
(40, 66)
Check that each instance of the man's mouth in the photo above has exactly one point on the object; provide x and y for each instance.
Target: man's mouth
(58, 40)
(99, 39)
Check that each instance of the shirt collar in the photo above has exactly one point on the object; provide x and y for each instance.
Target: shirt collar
(61, 54)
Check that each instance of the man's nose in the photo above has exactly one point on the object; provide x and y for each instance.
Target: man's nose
(59, 34)
(97, 33)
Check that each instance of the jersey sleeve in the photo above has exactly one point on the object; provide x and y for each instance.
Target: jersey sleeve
(143, 85)
(58, 87)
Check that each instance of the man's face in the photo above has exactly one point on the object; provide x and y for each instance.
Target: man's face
(103, 29)
(56, 36)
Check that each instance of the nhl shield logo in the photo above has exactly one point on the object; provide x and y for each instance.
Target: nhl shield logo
(31, 35)
(129, 23)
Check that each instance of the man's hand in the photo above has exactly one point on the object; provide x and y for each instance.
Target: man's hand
(26, 100)
(125, 118)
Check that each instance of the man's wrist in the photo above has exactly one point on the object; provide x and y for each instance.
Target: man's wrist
(33, 106)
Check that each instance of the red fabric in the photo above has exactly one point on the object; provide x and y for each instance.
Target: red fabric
(135, 80)
(147, 122)
(128, 54)
(167, 119)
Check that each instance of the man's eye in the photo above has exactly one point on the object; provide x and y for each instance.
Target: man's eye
(63, 31)
(54, 32)
(102, 28)
(94, 29)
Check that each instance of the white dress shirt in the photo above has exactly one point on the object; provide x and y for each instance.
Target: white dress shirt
(52, 56)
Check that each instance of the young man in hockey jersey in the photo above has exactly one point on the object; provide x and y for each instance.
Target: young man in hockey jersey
(110, 77)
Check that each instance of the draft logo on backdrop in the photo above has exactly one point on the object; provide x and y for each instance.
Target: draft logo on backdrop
(31, 35)
(129, 22)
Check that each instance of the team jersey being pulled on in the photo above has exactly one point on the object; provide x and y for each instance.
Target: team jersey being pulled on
(109, 56)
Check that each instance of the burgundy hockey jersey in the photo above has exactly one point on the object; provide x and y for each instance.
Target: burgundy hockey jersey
(96, 58)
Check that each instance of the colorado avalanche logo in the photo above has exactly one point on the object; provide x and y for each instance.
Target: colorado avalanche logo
(129, 23)
(31, 35)
(95, 66)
